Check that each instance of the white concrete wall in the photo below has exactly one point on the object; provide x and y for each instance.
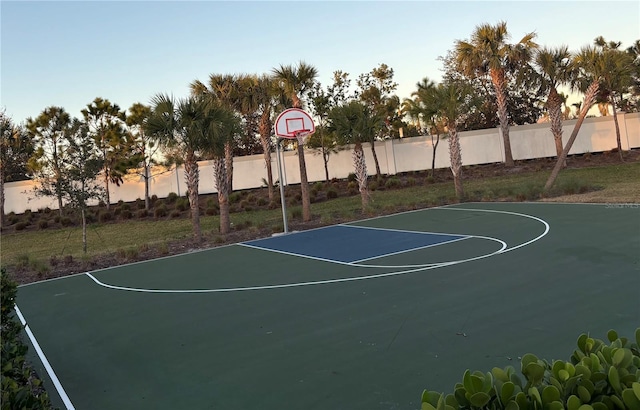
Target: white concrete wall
(394, 156)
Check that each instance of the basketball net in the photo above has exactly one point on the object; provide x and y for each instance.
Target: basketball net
(302, 136)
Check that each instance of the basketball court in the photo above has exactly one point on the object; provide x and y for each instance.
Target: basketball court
(362, 315)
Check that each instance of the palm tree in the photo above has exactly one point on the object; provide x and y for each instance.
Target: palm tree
(295, 82)
(265, 94)
(223, 126)
(450, 101)
(424, 108)
(355, 123)
(555, 70)
(489, 53)
(224, 88)
(588, 66)
(616, 79)
(191, 125)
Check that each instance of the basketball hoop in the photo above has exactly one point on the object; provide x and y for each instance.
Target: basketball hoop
(302, 136)
(294, 123)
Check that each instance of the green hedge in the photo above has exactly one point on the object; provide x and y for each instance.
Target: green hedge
(20, 388)
(598, 376)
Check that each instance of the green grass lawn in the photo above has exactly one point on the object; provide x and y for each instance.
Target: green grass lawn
(613, 183)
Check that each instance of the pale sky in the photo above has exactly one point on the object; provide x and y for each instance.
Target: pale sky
(68, 53)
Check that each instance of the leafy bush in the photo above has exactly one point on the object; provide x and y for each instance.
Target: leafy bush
(211, 211)
(392, 183)
(352, 185)
(104, 216)
(66, 221)
(126, 214)
(20, 389)
(597, 377)
(261, 202)
(142, 213)
(235, 197)
(182, 204)
(175, 213)
(43, 224)
(332, 193)
(126, 207)
(21, 225)
(351, 177)
(160, 211)
(171, 198)
(319, 186)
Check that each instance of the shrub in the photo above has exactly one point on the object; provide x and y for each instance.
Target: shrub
(104, 216)
(117, 211)
(175, 213)
(13, 219)
(21, 226)
(160, 211)
(139, 203)
(182, 204)
(171, 198)
(411, 181)
(20, 388)
(373, 185)
(154, 198)
(392, 183)
(597, 376)
(90, 217)
(332, 193)
(126, 214)
(126, 207)
(68, 259)
(235, 197)
(352, 185)
(159, 202)
(43, 224)
(211, 202)
(296, 213)
(429, 180)
(211, 211)
(142, 213)
(56, 219)
(319, 186)
(351, 177)
(261, 202)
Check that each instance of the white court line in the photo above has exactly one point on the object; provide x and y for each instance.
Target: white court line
(343, 280)
(503, 243)
(399, 230)
(45, 362)
(355, 263)
(315, 258)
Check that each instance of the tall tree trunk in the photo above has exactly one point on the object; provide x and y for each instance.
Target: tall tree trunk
(265, 139)
(192, 178)
(146, 187)
(84, 229)
(375, 158)
(555, 117)
(456, 159)
(220, 178)
(433, 157)
(500, 85)
(106, 185)
(228, 162)
(304, 184)
(325, 159)
(589, 97)
(360, 166)
(615, 121)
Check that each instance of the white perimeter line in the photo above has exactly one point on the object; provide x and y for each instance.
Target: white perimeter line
(45, 362)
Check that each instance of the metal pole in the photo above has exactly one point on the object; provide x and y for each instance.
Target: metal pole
(282, 199)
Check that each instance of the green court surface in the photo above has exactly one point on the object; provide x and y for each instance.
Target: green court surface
(241, 326)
